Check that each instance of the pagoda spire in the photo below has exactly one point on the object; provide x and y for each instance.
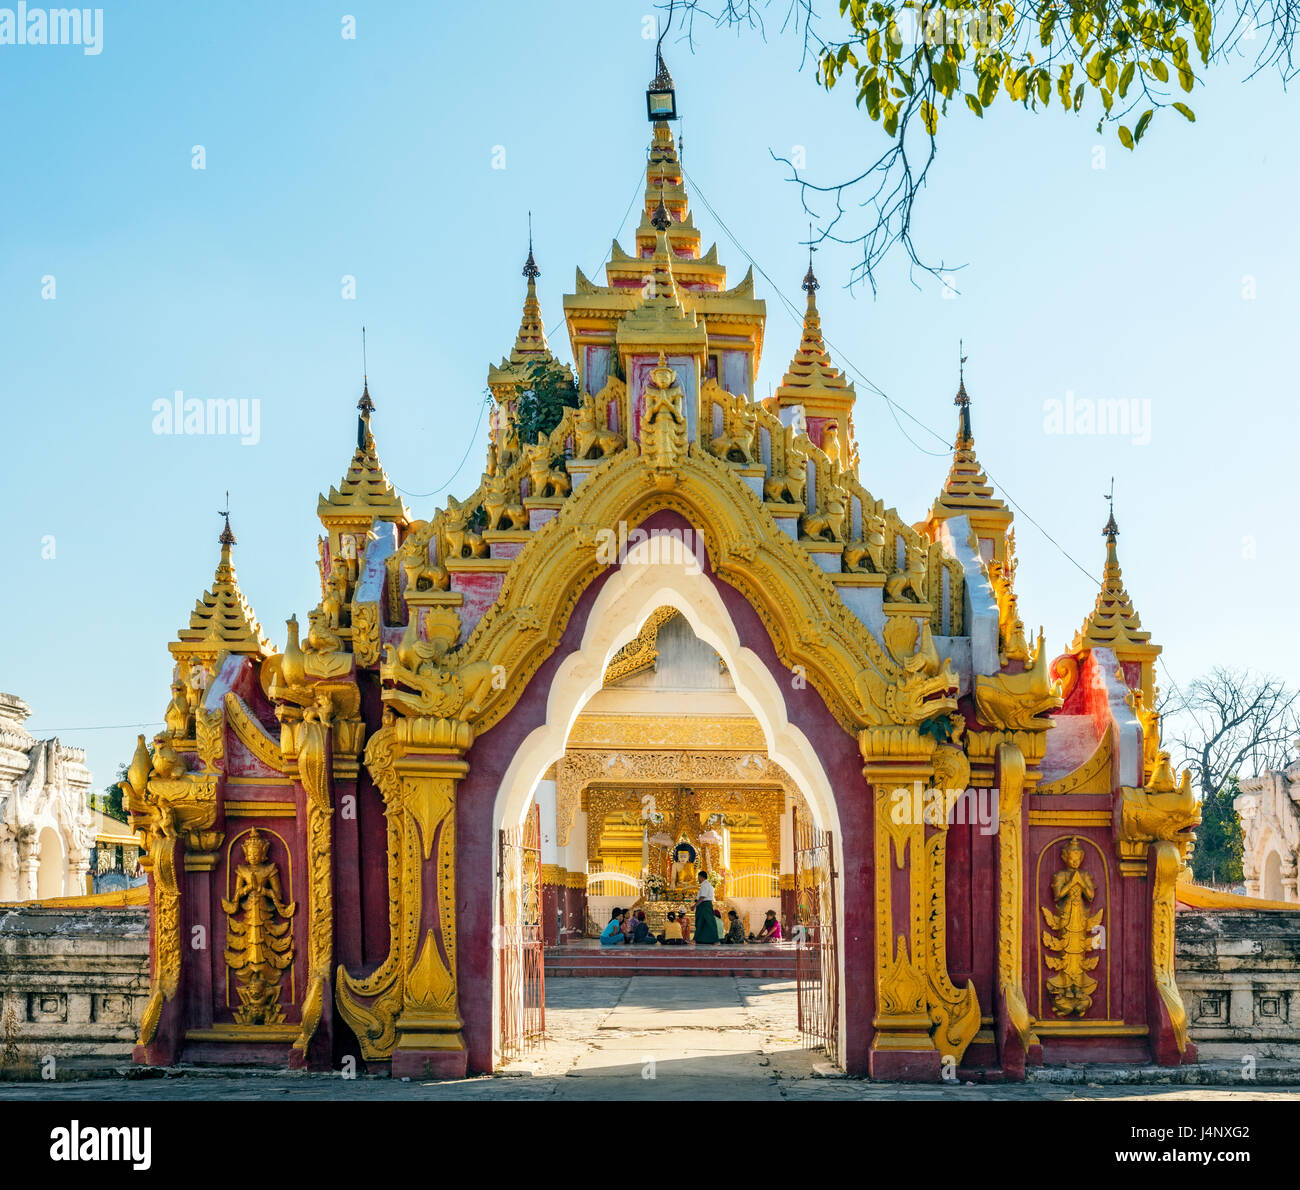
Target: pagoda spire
(1114, 622)
(814, 383)
(222, 621)
(365, 492)
(967, 491)
(665, 192)
(530, 341)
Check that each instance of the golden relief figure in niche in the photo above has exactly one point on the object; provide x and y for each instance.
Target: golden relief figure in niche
(258, 947)
(1072, 934)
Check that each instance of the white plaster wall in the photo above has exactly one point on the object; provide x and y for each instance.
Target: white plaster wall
(979, 607)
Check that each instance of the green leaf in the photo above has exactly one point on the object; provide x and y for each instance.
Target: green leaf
(929, 116)
(1160, 70)
(1186, 111)
(1078, 97)
(1186, 79)
(1125, 137)
(1125, 79)
(1143, 120)
(975, 106)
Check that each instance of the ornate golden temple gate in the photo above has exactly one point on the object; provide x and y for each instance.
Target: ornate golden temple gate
(816, 939)
(519, 934)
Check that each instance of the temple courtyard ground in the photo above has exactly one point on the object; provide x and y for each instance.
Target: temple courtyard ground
(671, 1038)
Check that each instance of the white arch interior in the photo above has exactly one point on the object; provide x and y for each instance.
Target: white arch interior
(663, 571)
(647, 581)
(49, 875)
(1271, 878)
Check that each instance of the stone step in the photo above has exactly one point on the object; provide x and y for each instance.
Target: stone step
(616, 962)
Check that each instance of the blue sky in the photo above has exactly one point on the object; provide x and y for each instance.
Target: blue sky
(373, 158)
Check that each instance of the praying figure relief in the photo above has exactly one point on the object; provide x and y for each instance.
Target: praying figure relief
(1071, 935)
(258, 947)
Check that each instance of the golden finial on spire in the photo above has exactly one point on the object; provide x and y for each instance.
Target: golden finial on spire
(1111, 530)
(965, 437)
(531, 271)
(227, 538)
(810, 282)
(661, 220)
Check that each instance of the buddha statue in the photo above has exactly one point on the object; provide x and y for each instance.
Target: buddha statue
(682, 873)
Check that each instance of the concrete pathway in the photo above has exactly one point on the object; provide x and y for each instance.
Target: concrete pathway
(646, 1038)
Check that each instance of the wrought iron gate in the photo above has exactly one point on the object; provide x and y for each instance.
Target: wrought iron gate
(519, 931)
(817, 964)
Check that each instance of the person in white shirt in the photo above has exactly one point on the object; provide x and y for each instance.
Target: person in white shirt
(706, 925)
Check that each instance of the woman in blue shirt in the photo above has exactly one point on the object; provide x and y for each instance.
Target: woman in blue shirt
(612, 935)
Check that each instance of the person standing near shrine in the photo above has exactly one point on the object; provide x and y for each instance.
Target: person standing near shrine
(706, 925)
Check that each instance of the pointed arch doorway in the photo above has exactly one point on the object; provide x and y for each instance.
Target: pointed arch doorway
(638, 593)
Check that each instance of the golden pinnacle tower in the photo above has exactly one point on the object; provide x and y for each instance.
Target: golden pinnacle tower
(1114, 623)
(815, 385)
(967, 491)
(222, 621)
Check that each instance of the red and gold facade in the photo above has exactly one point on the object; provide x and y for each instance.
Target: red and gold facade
(322, 819)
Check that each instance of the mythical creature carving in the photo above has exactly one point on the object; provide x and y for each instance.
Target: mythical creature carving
(789, 486)
(1164, 810)
(1150, 723)
(832, 447)
(1071, 935)
(258, 946)
(502, 505)
(828, 524)
(593, 439)
(925, 684)
(178, 717)
(335, 597)
(459, 541)
(323, 653)
(907, 585)
(426, 682)
(543, 479)
(867, 555)
(421, 573)
(1015, 702)
(738, 440)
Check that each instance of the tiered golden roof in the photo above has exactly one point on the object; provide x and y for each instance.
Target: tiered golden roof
(365, 492)
(666, 241)
(530, 341)
(967, 491)
(1114, 622)
(812, 381)
(222, 620)
(660, 318)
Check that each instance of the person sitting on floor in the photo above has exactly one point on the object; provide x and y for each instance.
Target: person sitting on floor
(641, 935)
(612, 935)
(735, 934)
(672, 935)
(771, 931)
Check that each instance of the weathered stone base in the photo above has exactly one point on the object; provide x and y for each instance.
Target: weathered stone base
(73, 983)
(1239, 976)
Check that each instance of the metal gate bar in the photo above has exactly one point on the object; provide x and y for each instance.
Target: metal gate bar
(519, 926)
(816, 938)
